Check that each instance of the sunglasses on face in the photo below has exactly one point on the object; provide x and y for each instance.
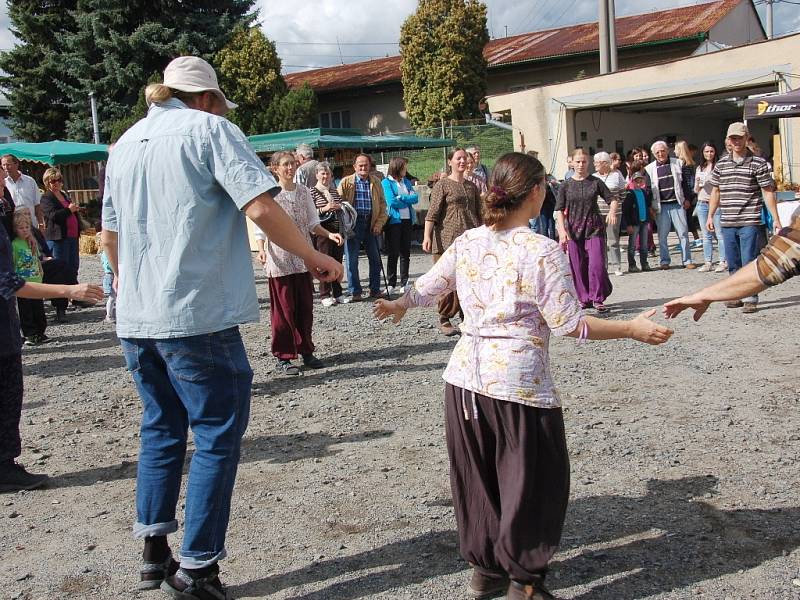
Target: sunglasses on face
(57, 180)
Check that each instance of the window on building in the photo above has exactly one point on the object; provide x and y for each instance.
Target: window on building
(524, 86)
(336, 119)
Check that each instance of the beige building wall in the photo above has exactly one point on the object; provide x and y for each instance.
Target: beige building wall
(374, 114)
(544, 118)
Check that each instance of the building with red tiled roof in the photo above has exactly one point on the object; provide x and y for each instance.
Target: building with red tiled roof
(368, 95)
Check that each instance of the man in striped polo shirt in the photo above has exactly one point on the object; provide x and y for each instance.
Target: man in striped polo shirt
(739, 180)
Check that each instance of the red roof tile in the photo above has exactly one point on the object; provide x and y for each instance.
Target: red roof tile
(650, 27)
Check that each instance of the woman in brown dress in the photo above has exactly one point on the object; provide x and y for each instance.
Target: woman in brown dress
(455, 206)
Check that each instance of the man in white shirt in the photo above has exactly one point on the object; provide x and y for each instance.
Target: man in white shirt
(23, 189)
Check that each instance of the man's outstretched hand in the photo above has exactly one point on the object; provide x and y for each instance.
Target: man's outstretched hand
(675, 307)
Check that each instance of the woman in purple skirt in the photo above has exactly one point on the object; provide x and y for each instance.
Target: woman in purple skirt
(582, 232)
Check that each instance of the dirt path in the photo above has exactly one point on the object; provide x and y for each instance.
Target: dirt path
(685, 460)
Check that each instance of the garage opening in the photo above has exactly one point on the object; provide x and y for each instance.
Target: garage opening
(694, 118)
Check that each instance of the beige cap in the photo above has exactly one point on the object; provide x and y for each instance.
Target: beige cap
(193, 74)
(739, 129)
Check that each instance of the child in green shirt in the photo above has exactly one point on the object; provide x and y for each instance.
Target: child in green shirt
(27, 264)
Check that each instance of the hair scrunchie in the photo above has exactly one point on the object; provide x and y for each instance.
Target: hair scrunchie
(499, 192)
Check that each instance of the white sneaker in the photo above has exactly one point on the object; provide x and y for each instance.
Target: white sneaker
(721, 267)
(705, 268)
(329, 301)
(391, 290)
(618, 273)
(343, 299)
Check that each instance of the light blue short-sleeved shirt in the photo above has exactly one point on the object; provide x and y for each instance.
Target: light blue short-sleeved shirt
(175, 185)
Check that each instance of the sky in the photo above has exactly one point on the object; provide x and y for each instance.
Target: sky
(307, 38)
(318, 33)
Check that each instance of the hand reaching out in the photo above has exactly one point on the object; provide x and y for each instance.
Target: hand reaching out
(384, 309)
(675, 307)
(645, 330)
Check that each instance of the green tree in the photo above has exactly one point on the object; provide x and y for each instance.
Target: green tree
(297, 109)
(250, 74)
(116, 45)
(32, 69)
(139, 111)
(249, 71)
(442, 63)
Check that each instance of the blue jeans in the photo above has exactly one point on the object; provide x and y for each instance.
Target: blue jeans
(741, 248)
(673, 214)
(202, 382)
(363, 233)
(544, 225)
(66, 250)
(708, 236)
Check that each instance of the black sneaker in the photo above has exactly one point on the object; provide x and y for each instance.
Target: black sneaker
(153, 574)
(33, 340)
(312, 362)
(184, 585)
(14, 477)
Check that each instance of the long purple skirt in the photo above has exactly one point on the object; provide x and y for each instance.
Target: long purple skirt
(587, 261)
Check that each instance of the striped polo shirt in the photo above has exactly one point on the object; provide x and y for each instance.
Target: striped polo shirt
(740, 185)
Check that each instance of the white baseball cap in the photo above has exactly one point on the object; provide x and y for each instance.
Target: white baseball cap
(193, 74)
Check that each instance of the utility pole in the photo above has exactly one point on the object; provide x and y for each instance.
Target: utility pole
(612, 36)
(770, 31)
(602, 23)
(95, 126)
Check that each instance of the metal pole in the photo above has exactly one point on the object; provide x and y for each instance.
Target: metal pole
(602, 24)
(770, 31)
(612, 36)
(95, 125)
(444, 148)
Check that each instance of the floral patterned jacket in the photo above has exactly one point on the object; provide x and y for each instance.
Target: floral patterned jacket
(515, 289)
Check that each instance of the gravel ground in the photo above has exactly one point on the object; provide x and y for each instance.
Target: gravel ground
(685, 461)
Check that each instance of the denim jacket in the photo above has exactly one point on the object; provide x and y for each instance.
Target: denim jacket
(395, 200)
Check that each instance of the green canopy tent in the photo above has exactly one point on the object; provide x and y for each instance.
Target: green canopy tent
(56, 152)
(342, 139)
(76, 161)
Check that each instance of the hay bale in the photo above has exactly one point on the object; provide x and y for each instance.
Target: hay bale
(87, 244)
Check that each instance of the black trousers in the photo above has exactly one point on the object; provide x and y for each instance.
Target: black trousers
(10, 406)
(398, 245)
(58, 271)
(509, 474)
(31, 316)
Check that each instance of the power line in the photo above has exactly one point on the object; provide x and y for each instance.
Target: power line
(566, 9)
(339, 43)
(336, 55)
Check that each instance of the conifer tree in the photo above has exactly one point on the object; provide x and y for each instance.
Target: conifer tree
(38, 106)
(442, 63)
(116, 45)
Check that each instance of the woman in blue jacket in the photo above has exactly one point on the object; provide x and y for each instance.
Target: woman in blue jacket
(400, 200)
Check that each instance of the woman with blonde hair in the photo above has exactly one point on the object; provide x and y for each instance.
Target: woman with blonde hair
(688, 166)
(62, 227)
(504, 426)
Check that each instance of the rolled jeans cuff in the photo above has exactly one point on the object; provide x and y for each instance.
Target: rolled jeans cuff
(140, 530)
(204, 560)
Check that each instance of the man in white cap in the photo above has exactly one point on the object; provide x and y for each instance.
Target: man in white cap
(178, 186)
(739, 181)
